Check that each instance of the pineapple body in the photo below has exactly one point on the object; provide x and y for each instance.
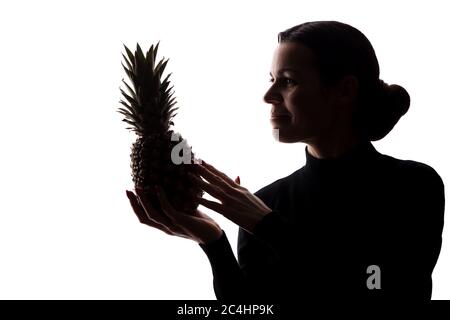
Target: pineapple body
(151, 165)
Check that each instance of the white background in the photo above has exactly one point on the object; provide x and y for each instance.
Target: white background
(66, 227)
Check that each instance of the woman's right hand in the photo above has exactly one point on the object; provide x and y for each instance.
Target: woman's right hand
(198, 227)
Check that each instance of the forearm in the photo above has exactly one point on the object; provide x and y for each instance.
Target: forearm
(229, 280)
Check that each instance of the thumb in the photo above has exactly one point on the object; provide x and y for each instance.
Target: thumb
(237, 180)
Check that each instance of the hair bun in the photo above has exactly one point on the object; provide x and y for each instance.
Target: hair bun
(399, 98)
(395, 97)
(391, 103)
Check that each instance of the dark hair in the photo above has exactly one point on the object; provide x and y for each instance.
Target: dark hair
(340, 50)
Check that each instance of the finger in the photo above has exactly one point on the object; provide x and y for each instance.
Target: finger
(161, 227)
(151, 212)
(216, 180)
(211, 188)
(209, 175)
(153, 220)
(217, 207)
(179, 220)
(142, 215)
(213, 170)
(168, 209)
(137, 208)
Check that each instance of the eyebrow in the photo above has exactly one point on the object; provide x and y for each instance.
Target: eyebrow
(285, 69)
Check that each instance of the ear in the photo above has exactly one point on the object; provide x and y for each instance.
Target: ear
(347, 89)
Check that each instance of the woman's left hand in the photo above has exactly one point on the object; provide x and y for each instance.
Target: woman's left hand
(237, 203)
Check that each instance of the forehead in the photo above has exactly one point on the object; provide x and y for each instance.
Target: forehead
(292, 55)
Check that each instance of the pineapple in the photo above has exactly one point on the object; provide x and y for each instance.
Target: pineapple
(155, 156)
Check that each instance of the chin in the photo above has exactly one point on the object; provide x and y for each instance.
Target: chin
(288, 140)
(285, 136)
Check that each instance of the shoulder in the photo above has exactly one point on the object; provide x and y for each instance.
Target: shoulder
(412, 173)
(416, 189)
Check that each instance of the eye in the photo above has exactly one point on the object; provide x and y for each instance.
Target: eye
(284, 80)
(288, 81)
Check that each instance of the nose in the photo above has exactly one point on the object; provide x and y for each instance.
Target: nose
(272, 97)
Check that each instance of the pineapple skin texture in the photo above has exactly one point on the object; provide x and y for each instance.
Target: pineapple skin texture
(151, 165)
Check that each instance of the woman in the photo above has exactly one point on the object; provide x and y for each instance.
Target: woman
(351, 223)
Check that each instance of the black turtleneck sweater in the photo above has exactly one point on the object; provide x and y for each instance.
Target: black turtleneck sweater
(331, 220)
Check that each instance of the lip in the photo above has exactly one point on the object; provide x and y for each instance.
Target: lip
(276, 116)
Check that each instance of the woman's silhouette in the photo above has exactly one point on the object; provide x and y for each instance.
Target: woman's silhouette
(350, 224)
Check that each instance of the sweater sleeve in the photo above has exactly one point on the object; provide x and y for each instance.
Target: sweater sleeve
(430, 208)
(228, 278)
(254, 278)
(255, 275)
(425, 212)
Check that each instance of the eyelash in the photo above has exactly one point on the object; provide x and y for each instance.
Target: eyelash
(285, 80)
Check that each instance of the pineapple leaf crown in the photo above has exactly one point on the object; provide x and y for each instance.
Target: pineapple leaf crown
(148, 105)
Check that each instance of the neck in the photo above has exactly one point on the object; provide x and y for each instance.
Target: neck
(332, 147)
